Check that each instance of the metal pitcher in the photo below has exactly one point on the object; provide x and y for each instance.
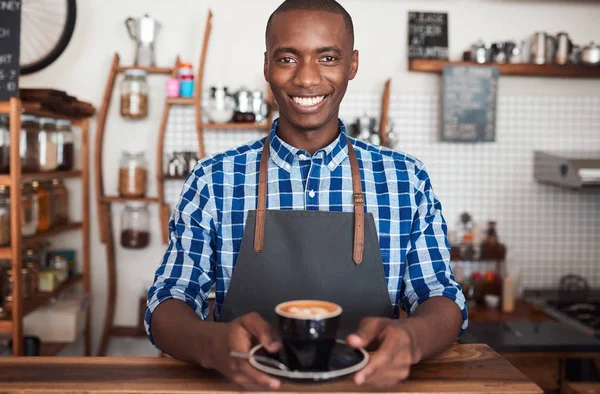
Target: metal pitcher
(543, 47)
(564, 48)
(143, 31)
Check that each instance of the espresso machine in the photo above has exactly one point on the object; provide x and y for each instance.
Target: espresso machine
(143, 31)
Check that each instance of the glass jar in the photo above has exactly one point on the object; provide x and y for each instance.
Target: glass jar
(135, 223)
(65, 149)
(133, 175)
(29, 210)
(29, 144)
(60, 265)
(4, 216)
(25, 287)
(43, 198)
(134, 95)
(4, 144)
(48, 139)
(59, 203)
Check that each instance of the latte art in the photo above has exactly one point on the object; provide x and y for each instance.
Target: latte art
(311, 311)
(308, 309)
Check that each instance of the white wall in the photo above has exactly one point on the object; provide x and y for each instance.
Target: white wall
(235, 58)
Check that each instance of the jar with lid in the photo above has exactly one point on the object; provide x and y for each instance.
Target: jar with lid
(65, 149)
(29, 144)
(4, 144)
(59, 203)
(29, 210)
(48, 139)
(135, 223)
(43, 198)
(134, 95)
(25, 287)
(133, 175)
(31, 261)
(60, 265)
(4, 216)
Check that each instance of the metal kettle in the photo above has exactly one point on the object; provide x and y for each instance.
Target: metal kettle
(143, 31)
(543, 47)
(564, 48)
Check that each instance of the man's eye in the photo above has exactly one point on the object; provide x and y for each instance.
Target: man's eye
(287, 60)
(329, 59)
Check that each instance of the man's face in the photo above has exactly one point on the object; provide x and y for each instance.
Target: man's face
(308, 63)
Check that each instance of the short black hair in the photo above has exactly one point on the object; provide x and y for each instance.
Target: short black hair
(314, 5)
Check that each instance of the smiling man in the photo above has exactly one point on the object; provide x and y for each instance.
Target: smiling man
(307, 213)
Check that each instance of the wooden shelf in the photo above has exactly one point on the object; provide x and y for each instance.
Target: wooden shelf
(526, 70)
(130, 332)
(4, 107)
(35, 109)
(180, 100)
(149, 70)
(51, 349)
(236, 126)
(32, 303)
(174, 178)
(148, 200)
(5, 253)
(36, 239)
(5, 180)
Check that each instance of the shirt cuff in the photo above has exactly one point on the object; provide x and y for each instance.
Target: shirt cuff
(454, 294)
(173, 294)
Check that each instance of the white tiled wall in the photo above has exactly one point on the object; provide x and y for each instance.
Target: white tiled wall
(548, 231)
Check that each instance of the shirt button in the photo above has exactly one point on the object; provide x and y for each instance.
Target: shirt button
(303, 157)
(287, 166)
(311, 193)
(331, 166)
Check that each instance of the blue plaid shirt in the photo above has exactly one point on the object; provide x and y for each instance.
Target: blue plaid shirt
(207, 226)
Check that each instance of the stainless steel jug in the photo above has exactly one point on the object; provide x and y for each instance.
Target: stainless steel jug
(143, 31)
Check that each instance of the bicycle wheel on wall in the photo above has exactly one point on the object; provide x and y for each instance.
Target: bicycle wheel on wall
(46, 30)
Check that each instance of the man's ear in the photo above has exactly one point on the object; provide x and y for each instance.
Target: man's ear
(265, 66)
(354, 65)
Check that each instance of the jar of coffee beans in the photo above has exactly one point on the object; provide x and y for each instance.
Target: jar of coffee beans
(134, 94)
(133, 175)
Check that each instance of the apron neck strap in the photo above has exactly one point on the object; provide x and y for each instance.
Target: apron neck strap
(357, 197)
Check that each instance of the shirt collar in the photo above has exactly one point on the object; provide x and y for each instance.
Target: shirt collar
(284, 155)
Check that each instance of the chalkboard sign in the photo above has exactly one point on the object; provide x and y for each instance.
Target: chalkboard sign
(427, 35)
(469, 104)
(10, 34)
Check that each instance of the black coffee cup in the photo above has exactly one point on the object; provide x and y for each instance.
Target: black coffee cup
(308, 330)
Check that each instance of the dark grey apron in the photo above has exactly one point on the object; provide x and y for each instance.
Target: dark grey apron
(288, 255)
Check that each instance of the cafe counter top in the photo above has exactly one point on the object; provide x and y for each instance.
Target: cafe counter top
(463, 368)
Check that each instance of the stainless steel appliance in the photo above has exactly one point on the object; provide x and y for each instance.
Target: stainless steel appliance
(575, 170)
(564, 48)
(543, 47)
(143, 31)
(590, 54)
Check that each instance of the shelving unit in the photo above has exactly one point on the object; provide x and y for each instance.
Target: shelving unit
(21, 307)
(525, 69)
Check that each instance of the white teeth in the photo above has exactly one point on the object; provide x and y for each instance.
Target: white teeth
(308, 101)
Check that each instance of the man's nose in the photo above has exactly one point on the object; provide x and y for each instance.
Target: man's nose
(308, 75)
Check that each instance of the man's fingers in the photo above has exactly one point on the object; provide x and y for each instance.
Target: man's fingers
(380, 360)
(261, 330)
(388, 377)
(259, 378)
(368, 331)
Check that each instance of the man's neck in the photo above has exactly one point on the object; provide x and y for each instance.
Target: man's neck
(308, 140)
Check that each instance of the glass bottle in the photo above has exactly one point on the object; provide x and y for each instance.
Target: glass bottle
(134, 95)
(29, 144)
(59, 203)
(65, 150)
(29, 210)
(4, 216)
(133, 175)
(48, 137)
(61, 266)
(4, 144)
(43, 198)
(135, 223)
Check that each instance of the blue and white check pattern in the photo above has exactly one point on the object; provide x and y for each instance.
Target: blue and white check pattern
(207, 226)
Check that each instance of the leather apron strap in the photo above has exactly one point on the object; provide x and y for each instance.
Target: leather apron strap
(357, 197)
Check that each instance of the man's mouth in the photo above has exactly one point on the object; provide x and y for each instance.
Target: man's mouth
(309, 103)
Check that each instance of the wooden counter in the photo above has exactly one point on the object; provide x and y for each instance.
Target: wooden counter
(463, 368)
(523, 311)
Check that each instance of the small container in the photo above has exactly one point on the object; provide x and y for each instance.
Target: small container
(173, 88)
(29, 210)
(30, 145)
(4, 216)
(133, 175)
(48, 140)
(43, 198)
(186, 72)
(134, 95)
(186, 88)
(59, 203)
(135, 223)
(4, 144)
(61, 267)
(65, 148)
(25, 287)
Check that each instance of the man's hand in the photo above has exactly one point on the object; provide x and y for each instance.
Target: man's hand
(239, 335)
(395, 352)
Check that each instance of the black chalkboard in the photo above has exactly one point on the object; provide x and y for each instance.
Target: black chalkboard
(10, 35)
(469, 104)
(428, 35)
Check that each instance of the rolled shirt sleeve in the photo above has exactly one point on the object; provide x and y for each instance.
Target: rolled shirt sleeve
(186, 272)
(427, 272)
